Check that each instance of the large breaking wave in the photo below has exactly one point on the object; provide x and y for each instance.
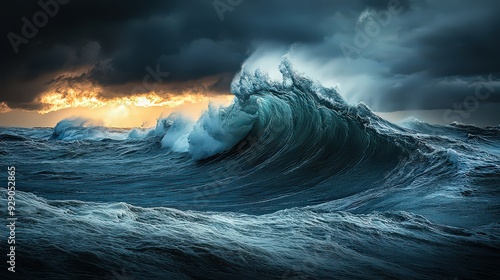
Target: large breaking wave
(293, 118)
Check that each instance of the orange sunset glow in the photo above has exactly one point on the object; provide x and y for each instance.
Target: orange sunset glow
(129, 111)
(91, 98)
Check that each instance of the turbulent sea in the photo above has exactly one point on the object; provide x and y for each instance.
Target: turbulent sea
(288, 182)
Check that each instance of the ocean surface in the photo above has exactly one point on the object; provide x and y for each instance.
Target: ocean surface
(288, 182)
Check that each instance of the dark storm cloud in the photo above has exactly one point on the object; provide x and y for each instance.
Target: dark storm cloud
(111, 43)
(442, 50)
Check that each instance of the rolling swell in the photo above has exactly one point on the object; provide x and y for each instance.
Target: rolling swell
(11, 137)
(105, 241)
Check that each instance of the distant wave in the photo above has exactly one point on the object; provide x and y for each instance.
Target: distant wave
(83, 129)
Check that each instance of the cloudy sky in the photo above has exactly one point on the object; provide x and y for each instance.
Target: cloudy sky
(436, 60)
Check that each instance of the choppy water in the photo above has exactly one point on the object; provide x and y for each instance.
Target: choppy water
(289, 182)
